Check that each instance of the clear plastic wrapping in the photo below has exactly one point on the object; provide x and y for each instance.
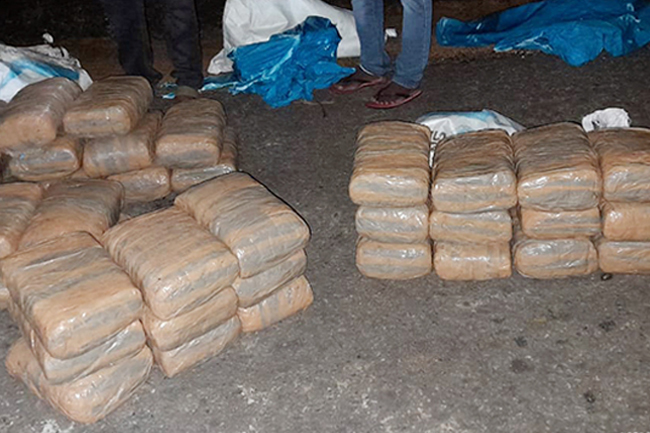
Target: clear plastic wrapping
(169, 334)
(148, 184)
(184, 178)
(561, 224)
(89, 205)
(557, 168)
(397, 224)
(469, 261)
(252, 290)
(54, 160)
(259, 228)
(491, 226)
(391, 165)
(177, 264)
(90, 398)
(393, 261)
(284, 302)
(191, 135)
(117, 154)
(35, 114)
(198, 350)
(474, 172)
(18, 201)
(5, 297)
(624, 257)
(114, 105)
(71, 293)
(626, 221)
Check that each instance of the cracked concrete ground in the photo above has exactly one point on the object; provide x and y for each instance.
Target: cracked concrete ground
(515, 355)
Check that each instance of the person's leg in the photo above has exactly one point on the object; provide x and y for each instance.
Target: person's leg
(129, 29)
(369, 17)
(416, 43)
(182, 29)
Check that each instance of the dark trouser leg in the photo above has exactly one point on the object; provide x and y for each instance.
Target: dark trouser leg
(182, 29)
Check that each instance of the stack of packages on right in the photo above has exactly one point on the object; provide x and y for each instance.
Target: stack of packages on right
(474, 187)
(390, 183)
(625, 163)
(559, 193)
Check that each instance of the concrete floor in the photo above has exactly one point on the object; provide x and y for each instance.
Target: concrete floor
(419, 356)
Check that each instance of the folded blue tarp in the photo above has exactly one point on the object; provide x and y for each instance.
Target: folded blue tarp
(576, 30)
(289, 66)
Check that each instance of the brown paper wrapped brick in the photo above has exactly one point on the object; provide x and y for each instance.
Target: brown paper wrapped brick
(398, 225)
(492, 226)
(393, 261)
(144, 185)
(626, 221)
(560, 224)
(466, 261)
(18, 201)
(623, 257)
(54, 160)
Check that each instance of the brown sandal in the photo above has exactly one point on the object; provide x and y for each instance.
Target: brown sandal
(357, 81)
(393, 96)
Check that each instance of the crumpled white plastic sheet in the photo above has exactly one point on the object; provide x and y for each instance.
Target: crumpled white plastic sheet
(607, 118)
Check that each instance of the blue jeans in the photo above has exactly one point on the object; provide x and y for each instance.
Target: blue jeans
(416, 40)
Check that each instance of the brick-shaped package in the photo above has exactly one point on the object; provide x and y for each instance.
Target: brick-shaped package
(623, 257)
(482, 227)
(397, 224)
(18, 201)
(55, 160)
(391, 261)
(626, 221)
(554, 258)
(466, 261)
(148, 184)
(539, 224)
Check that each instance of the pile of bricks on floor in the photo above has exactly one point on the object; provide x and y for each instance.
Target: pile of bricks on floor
(52, 130)
(532, 201)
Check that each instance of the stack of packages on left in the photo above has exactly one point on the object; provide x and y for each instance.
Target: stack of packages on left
(625, 163)
(474, 187)
(559, 189)
(390, 184)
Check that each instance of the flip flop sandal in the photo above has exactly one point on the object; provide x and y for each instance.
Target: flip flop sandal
(354, 85)
(398, 99)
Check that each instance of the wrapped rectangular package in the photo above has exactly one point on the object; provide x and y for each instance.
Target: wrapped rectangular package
(491, 226)
(198, 350)
(144, 185)
(90, 398)
(184, 178)
(474, 172)
(625, 163)
(539, 224)
(626, 221)
(5, 297)
(191, 135)
(54, 160)
(259, 228)
(18, 201)
(391, 165)
(288, 300)
(397, 224)
(71, 293)
(623, 257)
(35, 114)
(393, 261)
(252, 290)
(467, 261)
(177, 264)
(557, 168)
(89, 205)
(115, 154)
(166, 335)
(112, 106)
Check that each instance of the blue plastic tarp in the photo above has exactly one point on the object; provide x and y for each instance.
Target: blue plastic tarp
(288, 67)
(576, 30)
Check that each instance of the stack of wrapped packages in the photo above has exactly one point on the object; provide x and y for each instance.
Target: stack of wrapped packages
(474, 187)
(390, 184)
(559, 193)
(625, 164)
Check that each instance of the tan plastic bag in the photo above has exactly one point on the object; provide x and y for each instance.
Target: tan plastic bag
(252, 290)
(191, 135)
(260, 229)
(90, 398)
(557, 168)
(198, 350)
(89, 205)
(398, 224)
(144, 185)
(474, 172)
(284, 302)
(624, 257)
(391, 165)
(71, 293)
(169, 334)
(35, 114)
(393, 261)
(18, 201)
(54, 160)
(114, 105)
(177, 264)
(626, 221)
(492, 226)
(467, 261)
(557, 258)
(625, 163)
(561, 224)
(184, 178)
(117, 154)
